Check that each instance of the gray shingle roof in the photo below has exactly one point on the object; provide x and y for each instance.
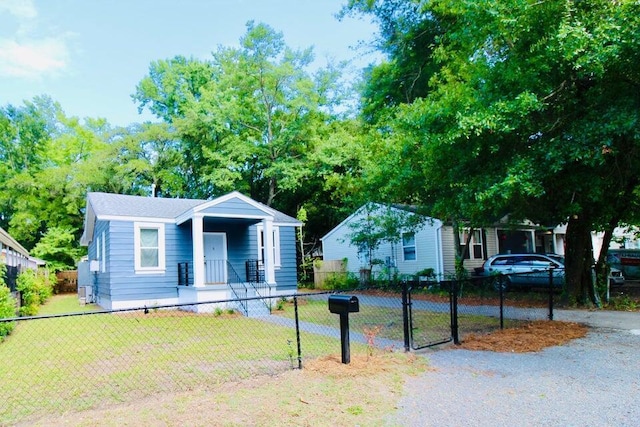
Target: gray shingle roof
(108, 204)
(138, 206)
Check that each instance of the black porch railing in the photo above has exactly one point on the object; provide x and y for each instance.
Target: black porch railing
(185, 274)
(238, 288)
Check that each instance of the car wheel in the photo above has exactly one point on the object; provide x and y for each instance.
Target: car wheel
(502, 281)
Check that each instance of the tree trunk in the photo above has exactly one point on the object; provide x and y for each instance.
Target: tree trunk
(460, 254)
(578, 262)
(602, 267)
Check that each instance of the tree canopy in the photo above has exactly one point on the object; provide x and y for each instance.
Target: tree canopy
(531, 109)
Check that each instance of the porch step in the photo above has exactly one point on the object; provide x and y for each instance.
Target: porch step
(253, 307)
(257, 308)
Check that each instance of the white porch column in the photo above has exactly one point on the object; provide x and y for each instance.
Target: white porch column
(269, 262)
(197, 229)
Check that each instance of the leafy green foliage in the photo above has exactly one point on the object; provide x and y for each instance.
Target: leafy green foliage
(530, 109)
(57, 248)
(7, 305)
(35, 288)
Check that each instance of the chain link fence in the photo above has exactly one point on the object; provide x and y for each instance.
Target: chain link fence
(72, 362)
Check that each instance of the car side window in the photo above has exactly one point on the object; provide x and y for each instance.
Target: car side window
(540, 262)
(522, 261)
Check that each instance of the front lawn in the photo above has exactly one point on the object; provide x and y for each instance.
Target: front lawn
(91, 360)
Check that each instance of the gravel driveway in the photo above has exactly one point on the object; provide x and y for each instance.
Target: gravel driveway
(594, 381)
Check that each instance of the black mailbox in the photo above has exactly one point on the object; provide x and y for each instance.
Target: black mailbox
(343, 304)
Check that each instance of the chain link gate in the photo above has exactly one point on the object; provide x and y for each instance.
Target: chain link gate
(429, 313)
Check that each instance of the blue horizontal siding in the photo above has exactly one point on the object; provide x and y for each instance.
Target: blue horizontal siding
(287, 274)
(121, 283)
(235, 207)
(125, 284)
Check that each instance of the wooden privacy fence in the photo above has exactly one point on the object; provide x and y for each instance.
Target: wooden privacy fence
(325, 269)
(67, 282)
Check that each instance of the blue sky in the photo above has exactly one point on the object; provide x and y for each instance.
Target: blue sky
(88, 55)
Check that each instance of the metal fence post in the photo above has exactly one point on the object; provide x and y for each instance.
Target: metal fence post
(501, 291)
(405, 314)
(551, 268)
(295, 309)
(454, 311)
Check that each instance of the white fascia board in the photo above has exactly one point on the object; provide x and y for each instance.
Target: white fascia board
(134, 219)
(344, 221)
(190, 215)
(232, 195)
(89, 225)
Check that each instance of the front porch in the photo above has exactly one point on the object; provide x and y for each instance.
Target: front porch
(250, 296)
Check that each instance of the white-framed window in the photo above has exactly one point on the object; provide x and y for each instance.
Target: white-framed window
(275, 249)
(476, 250)
(149, 248)
(409, 247)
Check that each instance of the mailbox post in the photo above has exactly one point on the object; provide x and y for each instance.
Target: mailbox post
(343, 305)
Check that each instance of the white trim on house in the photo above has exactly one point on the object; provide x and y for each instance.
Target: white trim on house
(277, 263)
(134, 218)
(161, 258)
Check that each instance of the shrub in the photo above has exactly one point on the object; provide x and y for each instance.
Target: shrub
(7, 305)
(35, 288)
(7, 310)
(340, 282)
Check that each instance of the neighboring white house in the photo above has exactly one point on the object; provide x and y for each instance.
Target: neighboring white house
(623, 238)
(432, 245)
(415, 249)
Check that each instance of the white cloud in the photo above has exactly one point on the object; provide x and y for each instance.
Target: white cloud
(19, 8)
(32, 58)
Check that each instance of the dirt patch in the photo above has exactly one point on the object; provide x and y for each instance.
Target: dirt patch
(531, 337)
(359, 365)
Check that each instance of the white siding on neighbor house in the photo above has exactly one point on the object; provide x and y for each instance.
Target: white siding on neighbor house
(336, 245)
(449, 251)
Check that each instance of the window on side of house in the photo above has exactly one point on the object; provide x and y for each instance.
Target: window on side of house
(275, 249)
(475, 244)
(409, 246)
(149, 248)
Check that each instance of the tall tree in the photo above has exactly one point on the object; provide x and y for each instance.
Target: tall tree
(248, 117)
(533, 110)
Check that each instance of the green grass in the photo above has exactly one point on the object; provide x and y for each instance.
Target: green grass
(65, 303)
(85, 361)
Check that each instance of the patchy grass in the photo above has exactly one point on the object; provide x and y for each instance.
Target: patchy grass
(80, 362)
(324, 393)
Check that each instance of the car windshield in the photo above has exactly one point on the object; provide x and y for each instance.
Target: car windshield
(559, 259)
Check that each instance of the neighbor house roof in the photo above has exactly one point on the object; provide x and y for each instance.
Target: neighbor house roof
(7, 240)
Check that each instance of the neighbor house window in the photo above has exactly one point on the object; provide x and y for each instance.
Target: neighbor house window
(149, 247)
(275, 250)
(475, 244)
(409, 246)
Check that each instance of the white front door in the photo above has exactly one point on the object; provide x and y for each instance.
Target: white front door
(215, 258)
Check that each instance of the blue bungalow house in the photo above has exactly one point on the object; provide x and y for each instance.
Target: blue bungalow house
(146, 251)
